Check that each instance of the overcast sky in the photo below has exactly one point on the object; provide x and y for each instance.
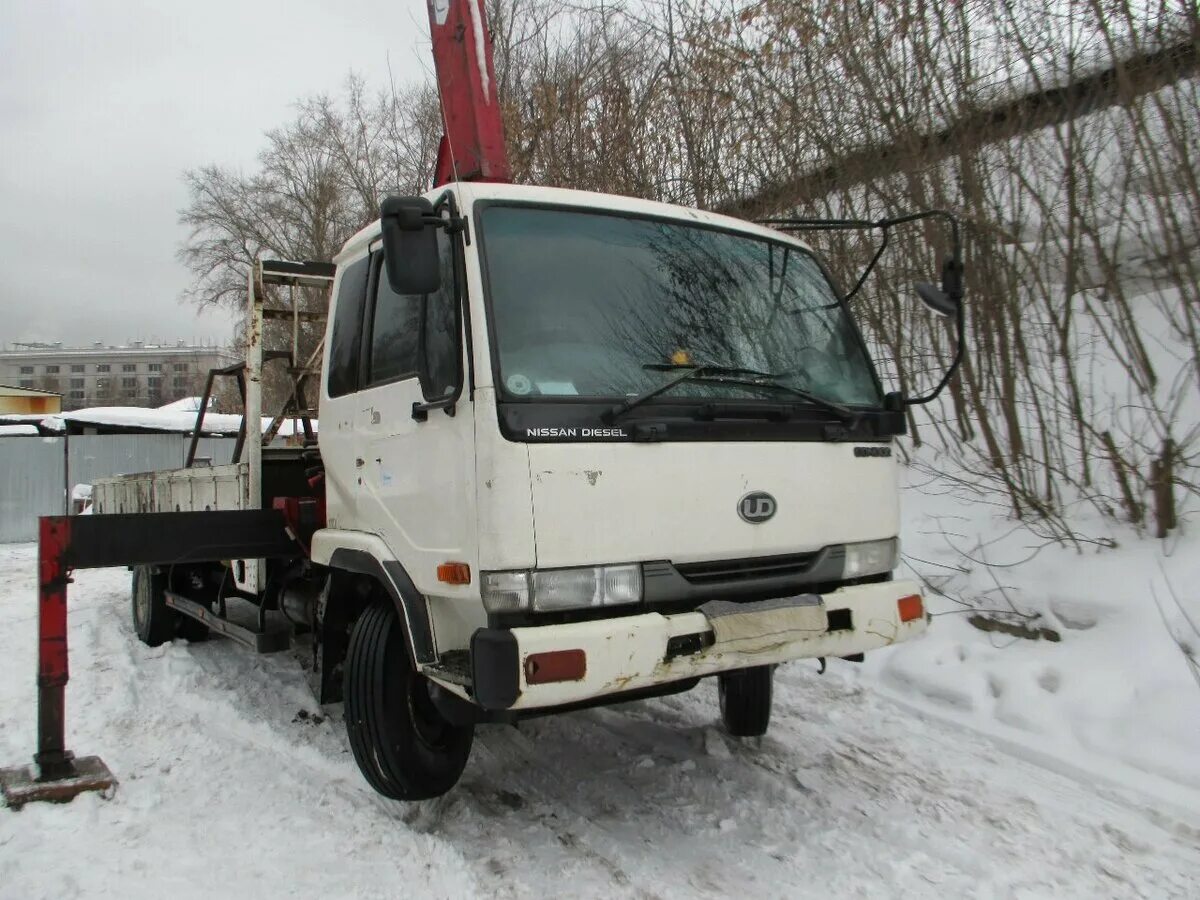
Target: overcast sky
(103, 104)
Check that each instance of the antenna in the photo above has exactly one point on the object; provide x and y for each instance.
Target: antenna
(445, 143)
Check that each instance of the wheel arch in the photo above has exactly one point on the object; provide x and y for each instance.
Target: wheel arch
(358, 555)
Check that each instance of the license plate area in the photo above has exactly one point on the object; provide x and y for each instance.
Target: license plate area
(765, 624)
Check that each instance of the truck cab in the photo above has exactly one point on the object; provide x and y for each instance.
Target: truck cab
(589, 448)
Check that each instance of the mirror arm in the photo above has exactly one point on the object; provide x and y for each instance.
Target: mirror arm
(960, 342)
(454, 224)
(420, 411)
(870, 266)
(952, 271)
(952, 286)
(419, 222)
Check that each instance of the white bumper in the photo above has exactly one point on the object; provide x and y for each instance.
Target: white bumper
(632, 652)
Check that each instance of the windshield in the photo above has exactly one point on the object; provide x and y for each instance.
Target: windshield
(596, 305)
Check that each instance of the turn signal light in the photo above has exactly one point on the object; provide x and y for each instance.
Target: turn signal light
(910, 607)
(556, 665)
(454, 573)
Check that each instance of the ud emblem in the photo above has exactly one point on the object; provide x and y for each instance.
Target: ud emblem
(756, 507)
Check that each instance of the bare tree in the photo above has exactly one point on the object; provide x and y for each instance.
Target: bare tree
(1064, 134)
(320, 179)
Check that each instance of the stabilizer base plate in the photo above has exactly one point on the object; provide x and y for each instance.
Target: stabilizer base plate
(20, 785)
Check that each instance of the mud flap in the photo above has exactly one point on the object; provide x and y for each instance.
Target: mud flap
(764, 625)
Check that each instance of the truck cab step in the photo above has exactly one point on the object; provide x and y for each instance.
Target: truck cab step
(453, 666)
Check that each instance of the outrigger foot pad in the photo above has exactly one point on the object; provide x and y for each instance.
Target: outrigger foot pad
(25, 784)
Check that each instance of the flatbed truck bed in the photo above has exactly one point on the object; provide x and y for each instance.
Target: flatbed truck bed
(206, 488)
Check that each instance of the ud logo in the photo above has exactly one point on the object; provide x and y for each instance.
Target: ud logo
(756, 507)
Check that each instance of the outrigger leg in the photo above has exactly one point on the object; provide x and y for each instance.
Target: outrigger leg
(56, 775)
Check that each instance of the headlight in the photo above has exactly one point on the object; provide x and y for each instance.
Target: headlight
(558, 589)
(870, 558)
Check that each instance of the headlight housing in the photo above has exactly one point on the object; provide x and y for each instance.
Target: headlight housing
(551, 590)
(871, 558)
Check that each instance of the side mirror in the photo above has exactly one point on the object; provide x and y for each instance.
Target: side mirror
(946, 301)
(410, 246)
(937, 300)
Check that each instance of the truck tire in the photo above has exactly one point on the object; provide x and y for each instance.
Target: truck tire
(404, 747)
(745, 696)
(154, 621)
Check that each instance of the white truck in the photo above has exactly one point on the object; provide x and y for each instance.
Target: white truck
(574, 449)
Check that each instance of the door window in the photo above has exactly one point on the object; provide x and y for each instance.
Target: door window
(395, 332)
(417, 334)
(347, 329)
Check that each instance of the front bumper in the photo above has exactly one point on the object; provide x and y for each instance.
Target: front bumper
(641, 651)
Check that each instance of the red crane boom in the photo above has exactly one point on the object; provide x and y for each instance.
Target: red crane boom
(472, 147)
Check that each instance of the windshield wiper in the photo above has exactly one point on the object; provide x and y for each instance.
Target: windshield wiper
(846, 415)
(689, 372)
(708, 370)
(754, 378)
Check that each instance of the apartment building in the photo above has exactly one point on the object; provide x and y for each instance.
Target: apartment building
(140, 374)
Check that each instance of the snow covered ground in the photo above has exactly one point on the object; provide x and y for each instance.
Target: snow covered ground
(1114, 697)
(234, 783)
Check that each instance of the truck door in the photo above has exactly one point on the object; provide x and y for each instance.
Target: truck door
(339, 402)
(416, 488)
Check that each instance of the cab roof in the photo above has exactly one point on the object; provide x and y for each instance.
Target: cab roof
(468, 193)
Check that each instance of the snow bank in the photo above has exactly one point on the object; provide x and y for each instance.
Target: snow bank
(17, 430)
(1115, 694)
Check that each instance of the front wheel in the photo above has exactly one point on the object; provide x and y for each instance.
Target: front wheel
(403, 745)
(745, 696)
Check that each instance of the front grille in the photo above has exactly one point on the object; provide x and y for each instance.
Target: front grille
(734, 570)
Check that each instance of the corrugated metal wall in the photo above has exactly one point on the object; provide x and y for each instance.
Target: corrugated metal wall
(34, 472)
(31, 484)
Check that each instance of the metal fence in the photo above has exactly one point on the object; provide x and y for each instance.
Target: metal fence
(37, 475)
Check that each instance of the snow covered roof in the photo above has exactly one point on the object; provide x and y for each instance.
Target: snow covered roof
(178, 417)
(17, 430)
(143, 419)
(36, 421)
